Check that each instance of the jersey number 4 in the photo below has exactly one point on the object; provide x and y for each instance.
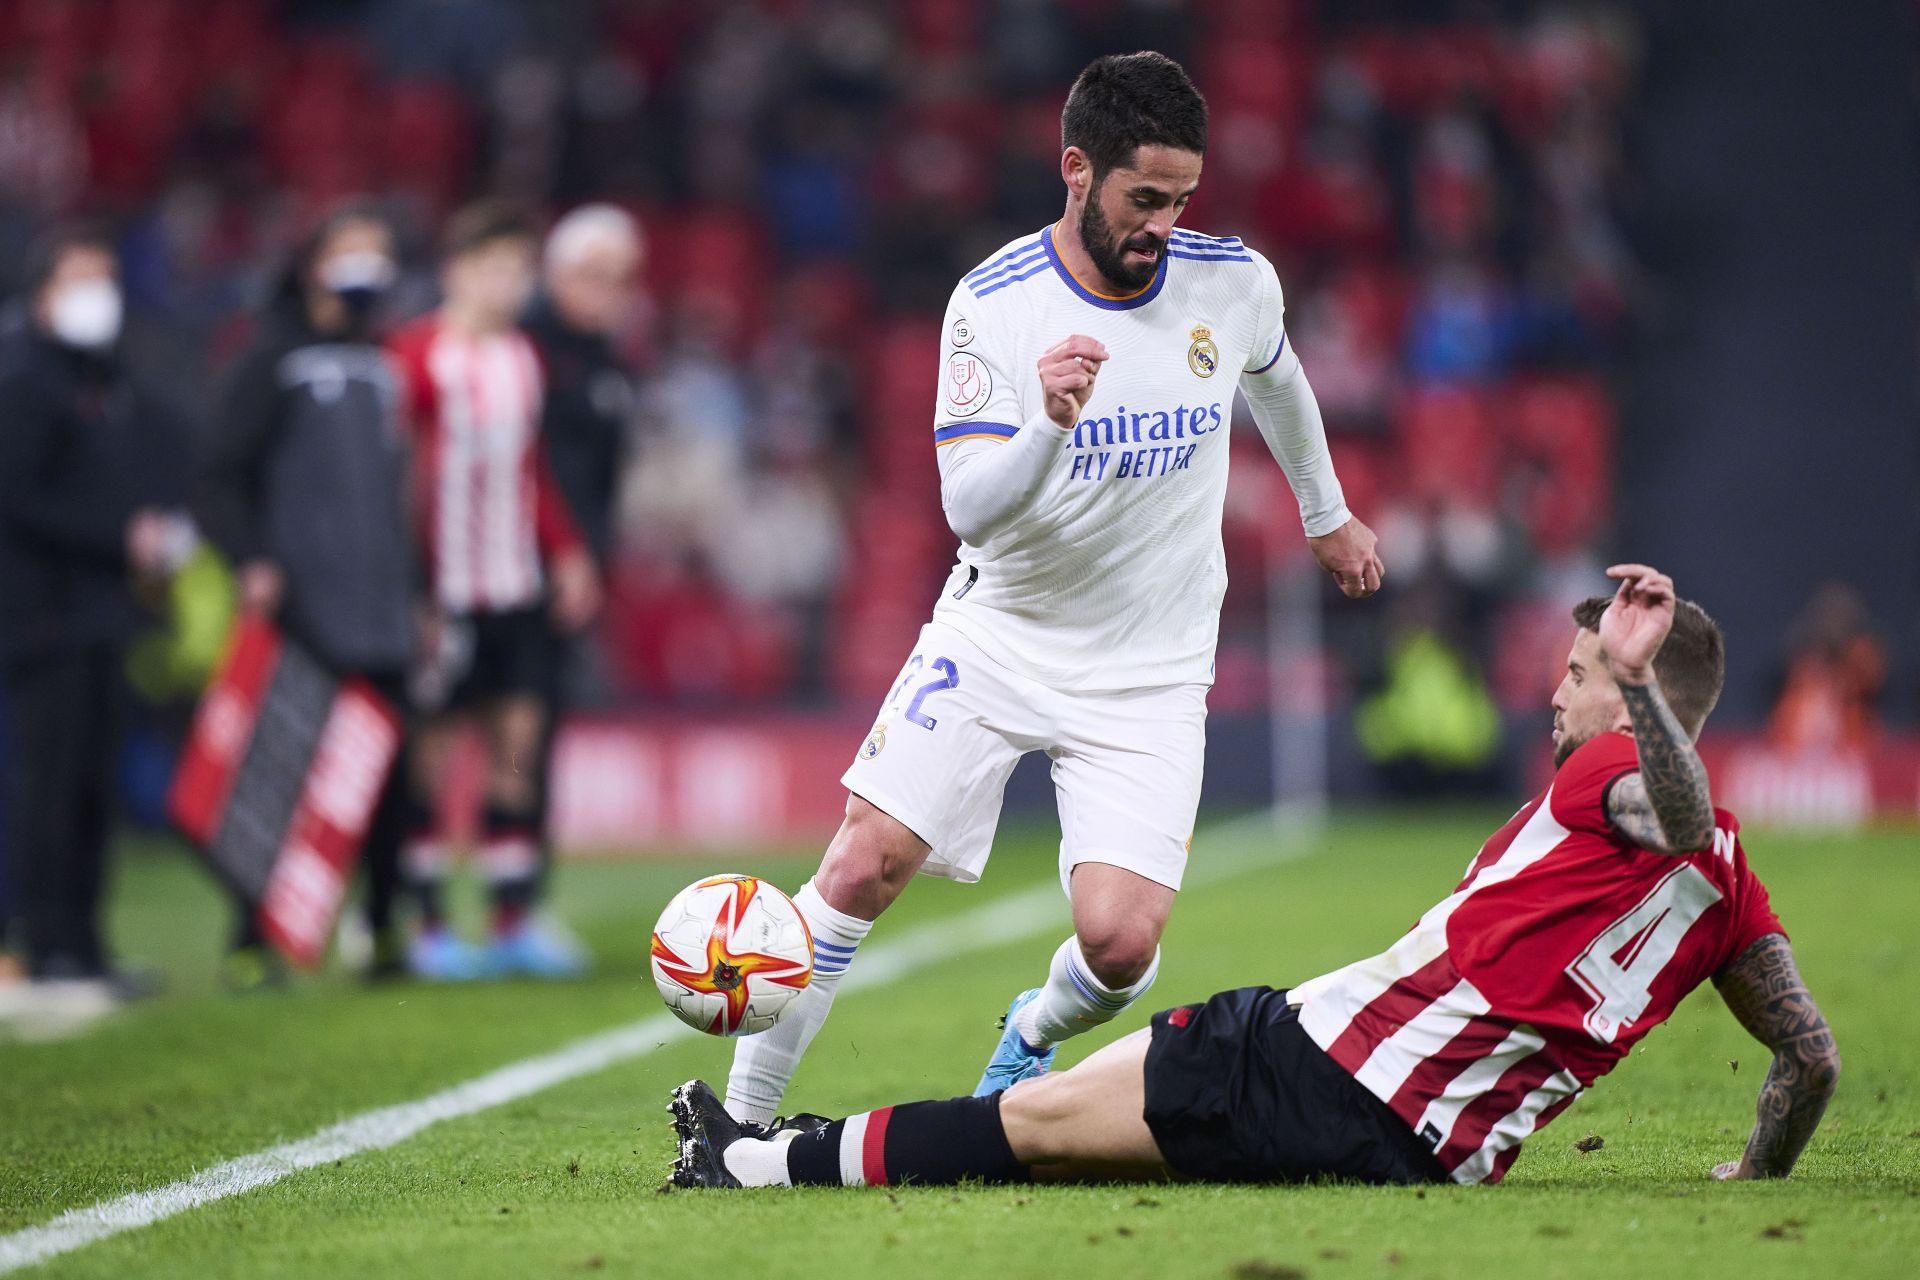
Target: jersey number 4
(1618, 968)
(949, 679)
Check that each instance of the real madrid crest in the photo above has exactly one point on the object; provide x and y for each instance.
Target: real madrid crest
(1203, 357)
(876, 743)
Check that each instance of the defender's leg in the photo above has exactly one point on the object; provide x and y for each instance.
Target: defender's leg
(1081, 1125)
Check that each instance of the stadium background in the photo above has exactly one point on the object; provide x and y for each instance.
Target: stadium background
(1573, 282)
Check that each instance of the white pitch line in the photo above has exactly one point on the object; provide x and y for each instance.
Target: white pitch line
(992, 924)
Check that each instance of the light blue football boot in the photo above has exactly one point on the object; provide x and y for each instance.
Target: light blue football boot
(1013, 1059)
(440, 955)
(537, 948)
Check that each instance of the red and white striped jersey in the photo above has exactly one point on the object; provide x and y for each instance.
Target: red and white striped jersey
(1563, 946)
(487, 507)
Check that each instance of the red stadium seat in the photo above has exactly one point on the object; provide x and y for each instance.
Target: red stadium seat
(1557, 433)
(1448, 446)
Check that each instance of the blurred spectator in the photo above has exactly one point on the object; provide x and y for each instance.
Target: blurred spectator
(88, 480)
(589, 285)
(1835, 667)
(307, 491)
(1432, 728)
(589, 280)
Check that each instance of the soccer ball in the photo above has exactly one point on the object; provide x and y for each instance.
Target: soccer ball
(731, 954)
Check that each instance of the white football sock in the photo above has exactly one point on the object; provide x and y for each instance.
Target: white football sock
(764, 1063)
(760, 1162)
(1073, 1000)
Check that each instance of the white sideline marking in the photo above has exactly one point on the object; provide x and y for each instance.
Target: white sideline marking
(992, 924)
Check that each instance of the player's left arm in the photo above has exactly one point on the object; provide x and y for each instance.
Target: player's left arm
(1764, 990)
(1667, 806)
(1288, 415)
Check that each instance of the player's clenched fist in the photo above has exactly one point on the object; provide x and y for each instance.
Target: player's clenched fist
(1067, 371)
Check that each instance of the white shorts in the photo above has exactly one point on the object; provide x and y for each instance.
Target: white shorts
(1126, 766)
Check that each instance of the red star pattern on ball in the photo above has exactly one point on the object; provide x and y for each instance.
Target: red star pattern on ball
(727, 971)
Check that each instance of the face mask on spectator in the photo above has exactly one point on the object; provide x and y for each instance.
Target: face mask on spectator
(357, 278)
(85, 314)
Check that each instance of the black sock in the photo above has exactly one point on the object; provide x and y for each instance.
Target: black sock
(423, 859)
(930, 1143)
(510, 856)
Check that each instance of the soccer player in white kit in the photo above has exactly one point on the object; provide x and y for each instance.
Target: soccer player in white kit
(1086, 392)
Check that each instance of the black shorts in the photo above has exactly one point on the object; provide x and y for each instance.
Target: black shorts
(1237, 1091)
(502, 654)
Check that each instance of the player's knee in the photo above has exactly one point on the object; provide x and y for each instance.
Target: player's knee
(1119, 951)
(870, 861)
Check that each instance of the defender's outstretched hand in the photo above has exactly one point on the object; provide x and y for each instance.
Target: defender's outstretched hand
(1350, 554)
(1636, 623)
(1067, 371)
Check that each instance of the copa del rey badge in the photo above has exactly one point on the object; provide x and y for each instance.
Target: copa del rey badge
(967, 385)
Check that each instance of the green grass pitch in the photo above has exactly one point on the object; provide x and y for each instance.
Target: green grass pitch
(564, 1182)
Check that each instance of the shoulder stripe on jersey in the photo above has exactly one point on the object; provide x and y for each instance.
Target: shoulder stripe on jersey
(1003, 261)
(974, 431)
(1208, 257)
(1002, 272)
(1200, 238)
(1276, 356)
(1026, 271)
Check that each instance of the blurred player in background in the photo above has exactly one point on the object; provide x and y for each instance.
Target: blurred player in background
(589, 273)
(307, 490)
(506, 564)
(1580, 926)
(1087, 382)
(89, 511)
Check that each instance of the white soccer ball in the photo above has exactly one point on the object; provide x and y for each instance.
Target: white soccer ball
(731, 954)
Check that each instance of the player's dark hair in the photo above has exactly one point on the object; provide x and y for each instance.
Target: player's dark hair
(1126, 101)
(484, 223)
(44, 255)
(1691, 665)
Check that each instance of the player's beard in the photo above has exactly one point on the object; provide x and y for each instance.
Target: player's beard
(1567, 745)
(1109, 257)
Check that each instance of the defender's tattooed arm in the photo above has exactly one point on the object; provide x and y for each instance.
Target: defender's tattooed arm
(1764, 989)
(1667, 806)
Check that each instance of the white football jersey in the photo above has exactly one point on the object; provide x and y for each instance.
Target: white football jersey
(1113, 578)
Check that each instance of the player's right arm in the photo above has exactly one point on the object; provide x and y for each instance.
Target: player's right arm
(1666, 806)
(1764, 990)
(992, 466)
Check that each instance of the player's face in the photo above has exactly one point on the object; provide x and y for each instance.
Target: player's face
(492, 281)
(1587, 703)
(1130, 212)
